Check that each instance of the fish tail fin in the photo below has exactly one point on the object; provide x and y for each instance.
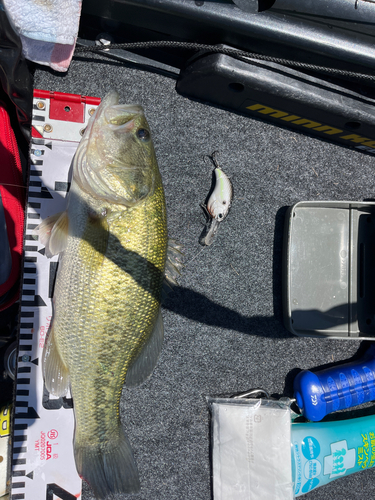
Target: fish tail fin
(108, 467)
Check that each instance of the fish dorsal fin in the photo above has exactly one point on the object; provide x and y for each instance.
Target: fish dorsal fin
(53, 233)
(56, 374)
(146, 360)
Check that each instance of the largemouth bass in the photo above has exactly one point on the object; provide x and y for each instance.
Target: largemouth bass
(107, 327)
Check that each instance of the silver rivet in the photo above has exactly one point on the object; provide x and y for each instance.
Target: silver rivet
(25, 358)
(40, 105)
(47, 128)
(37, 152)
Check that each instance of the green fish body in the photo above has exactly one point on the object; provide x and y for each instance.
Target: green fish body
(107, 327)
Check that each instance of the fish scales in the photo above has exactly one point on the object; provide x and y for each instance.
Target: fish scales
(118, 325)
(107, 295)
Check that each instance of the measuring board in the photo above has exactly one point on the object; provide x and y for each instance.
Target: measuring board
(43, 464)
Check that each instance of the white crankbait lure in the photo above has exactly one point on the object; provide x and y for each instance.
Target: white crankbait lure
(218, 204)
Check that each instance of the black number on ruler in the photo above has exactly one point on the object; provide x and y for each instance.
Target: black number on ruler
(54, 489)
(56, 403)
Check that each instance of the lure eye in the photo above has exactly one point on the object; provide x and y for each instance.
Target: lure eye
(143, 134)
(220, 216)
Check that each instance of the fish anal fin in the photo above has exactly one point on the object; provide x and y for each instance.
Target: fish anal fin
(55, 372)
(53, 233)
(144, 364)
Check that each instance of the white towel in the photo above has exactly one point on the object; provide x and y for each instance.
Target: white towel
(48, 29)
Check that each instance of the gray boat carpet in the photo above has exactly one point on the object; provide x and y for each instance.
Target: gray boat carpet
(223, 324)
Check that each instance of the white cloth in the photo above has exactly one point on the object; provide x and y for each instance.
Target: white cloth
(48, 29)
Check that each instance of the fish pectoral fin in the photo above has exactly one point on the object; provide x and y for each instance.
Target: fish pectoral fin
(55, 372)
(144, 364)
(53, 233)
(173, 266)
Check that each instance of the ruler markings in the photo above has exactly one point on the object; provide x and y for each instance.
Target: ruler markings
(19, 449)
(27, 314)
(33, 204)
(26, 347)
(37, 302)
(24, 369)
(23, 381)
(21, 404)
(19, 473)
(35, 421)
(39, 118)
(29, 281)
(27, 325)
(30, 270)
(30, 249)
(29, 259)
(26, 336)
(19, 461)
(18, 485)
(20, 427)
(38, 142)
(33, 216)
(22, 392)
(19, 438)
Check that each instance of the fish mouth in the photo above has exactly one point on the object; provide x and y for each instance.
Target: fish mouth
(121, 117)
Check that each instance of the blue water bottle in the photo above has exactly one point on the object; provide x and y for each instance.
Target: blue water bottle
(336, 388)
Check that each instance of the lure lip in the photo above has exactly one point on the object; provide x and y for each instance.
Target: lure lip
(209, 232)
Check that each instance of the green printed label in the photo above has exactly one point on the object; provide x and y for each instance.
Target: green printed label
(325, 451)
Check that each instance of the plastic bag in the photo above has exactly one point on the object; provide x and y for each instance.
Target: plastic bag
(251, 449)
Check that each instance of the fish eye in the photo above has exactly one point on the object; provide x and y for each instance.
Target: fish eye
(143, 134)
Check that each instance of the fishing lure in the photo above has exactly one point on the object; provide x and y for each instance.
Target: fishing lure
(217, 205)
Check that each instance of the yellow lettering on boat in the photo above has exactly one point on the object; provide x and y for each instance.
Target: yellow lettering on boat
(364, 143)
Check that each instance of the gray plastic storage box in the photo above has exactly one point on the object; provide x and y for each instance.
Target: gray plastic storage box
(329, 269)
